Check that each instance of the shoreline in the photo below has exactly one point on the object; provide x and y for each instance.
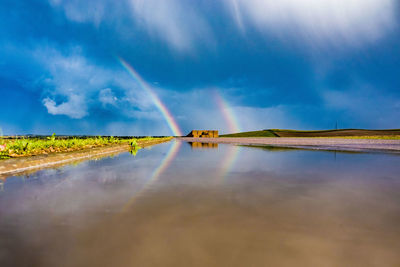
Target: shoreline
(326, 143)
(24, 165)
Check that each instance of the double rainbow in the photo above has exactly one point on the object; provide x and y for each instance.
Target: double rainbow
(233, 126)
(228, 113)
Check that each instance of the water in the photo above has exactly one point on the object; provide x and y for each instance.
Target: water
(178, 205)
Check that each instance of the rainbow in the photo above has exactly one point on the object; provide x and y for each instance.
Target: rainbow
(228, 162)
(233, 127)
(156, 100)
(172, 152)
(228, 113)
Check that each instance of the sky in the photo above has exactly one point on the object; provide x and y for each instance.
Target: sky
(162, 67)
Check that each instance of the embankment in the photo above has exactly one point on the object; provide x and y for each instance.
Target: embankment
(26, 165)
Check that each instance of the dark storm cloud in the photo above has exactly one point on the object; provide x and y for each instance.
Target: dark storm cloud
(296, 59)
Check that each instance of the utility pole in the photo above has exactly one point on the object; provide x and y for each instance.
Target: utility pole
(336, 125)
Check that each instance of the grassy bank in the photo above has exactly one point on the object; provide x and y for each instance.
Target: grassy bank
(341, 133)
(263, 133)
(10, 148)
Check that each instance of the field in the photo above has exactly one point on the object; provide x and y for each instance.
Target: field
(20, 147)
(263, 133)
(342, 133)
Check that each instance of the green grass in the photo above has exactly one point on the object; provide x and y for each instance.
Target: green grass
(340, 133)
(330, 130)
(263, 133)
(383, 137)
(35, 146)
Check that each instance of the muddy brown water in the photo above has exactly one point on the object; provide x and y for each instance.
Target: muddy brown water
(179, 204)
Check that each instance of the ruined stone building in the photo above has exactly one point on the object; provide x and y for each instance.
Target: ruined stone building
(203, 134)
(197, 145)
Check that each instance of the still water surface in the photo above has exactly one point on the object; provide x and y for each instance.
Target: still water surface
(182, 205)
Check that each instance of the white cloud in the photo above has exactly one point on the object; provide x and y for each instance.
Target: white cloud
(107, 97)
(74, 108)
(70, 75)
(184, 25)
(83, 11)
(338, 21)
(175, 21)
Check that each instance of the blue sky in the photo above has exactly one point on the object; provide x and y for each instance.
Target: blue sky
(302, 64)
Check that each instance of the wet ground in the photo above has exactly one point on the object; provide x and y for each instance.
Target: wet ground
(314, 143)
(181, 204)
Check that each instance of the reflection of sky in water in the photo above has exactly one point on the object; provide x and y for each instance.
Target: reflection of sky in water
(280, 196)
(113, 181)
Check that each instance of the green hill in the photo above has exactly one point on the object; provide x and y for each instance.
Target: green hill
(318, 133)
(263, 133)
